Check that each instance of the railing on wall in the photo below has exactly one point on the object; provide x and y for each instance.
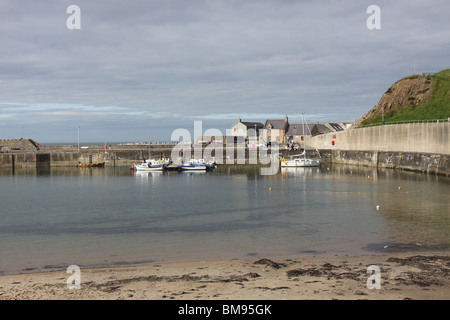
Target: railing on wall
(403, 122)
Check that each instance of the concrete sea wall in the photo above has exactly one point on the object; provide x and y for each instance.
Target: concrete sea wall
(423, 147)
(413, 137)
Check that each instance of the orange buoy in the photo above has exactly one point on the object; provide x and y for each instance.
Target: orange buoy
(399, 188)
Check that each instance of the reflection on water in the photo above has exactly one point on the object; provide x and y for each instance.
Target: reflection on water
(97, 216)
(300, 172)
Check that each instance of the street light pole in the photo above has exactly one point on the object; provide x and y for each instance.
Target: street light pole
(78, 139)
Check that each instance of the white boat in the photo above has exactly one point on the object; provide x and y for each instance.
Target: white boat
(152, 165)
(148, 167)
(196, 164)
(298, 161)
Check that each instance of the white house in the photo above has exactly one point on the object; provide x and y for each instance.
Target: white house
(245, 129)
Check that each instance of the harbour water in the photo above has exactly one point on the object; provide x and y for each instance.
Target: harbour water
(55, 217)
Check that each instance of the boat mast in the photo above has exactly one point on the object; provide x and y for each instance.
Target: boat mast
(311, 136)
(304, 138)
(149, 144)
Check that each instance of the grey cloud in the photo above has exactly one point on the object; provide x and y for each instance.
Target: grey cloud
(182, 60)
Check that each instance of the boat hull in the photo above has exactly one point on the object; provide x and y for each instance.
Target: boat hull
(196, 165)
(301, 163)
(193, 168)
(149, 168)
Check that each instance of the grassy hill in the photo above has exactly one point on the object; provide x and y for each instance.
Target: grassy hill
(413, 98)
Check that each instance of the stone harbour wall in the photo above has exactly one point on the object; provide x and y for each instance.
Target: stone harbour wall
(413, 161)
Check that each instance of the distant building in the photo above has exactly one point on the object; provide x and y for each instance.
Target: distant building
(275, 131)
(334, 127)
(320, 129)
(246, 129)
(298, 132)
(281, 131)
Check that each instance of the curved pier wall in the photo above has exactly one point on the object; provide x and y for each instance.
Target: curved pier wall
(413, 137)
(423, 147)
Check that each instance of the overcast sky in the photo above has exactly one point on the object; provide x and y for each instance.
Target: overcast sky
(137, 67)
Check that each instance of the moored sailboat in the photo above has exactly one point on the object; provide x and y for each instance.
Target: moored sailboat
(298, 160)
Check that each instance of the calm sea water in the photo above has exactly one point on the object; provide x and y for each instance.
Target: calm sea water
(53, 218)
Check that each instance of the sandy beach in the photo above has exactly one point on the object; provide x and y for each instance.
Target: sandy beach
(418, 276)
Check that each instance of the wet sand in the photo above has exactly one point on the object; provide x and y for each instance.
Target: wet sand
(402, 276)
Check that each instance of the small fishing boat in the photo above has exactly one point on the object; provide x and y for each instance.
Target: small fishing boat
(195, 164)
(152, 165)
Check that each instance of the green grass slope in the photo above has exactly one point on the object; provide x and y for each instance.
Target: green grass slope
(438, 107)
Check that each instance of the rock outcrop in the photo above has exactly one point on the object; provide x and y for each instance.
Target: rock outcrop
(407, 92)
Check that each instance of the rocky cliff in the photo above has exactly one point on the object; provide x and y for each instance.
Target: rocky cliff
(407, 92)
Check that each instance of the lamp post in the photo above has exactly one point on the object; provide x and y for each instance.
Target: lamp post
(78, 139)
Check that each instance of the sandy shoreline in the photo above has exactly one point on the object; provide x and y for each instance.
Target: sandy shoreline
(409, 275)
